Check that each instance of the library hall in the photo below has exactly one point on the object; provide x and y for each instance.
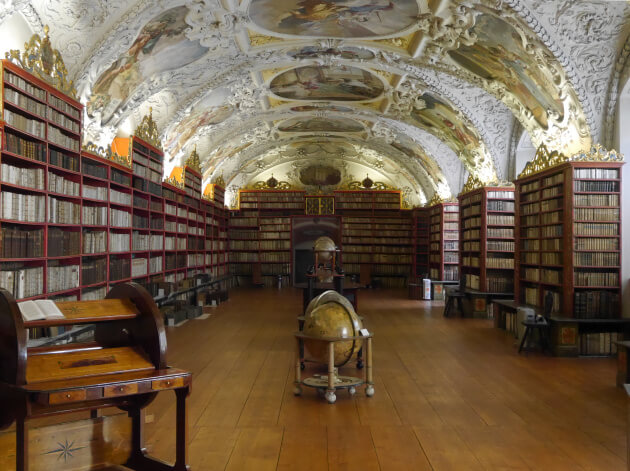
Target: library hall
(314, 235)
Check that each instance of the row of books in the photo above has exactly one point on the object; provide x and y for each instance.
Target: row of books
(19, 242)
(27, 177)
(584, 243)
(275, 257)
(94, 215)
(60, 159)
(275, 245)
(502, 284)
(63, 242)
(502, 220)
(376, 240)
(93, 271)
(119, 268)
(138, 267)
(63, 212)
(599, 278)
(63, 121)
(500, 245)
(95, 192)
(119, 242)
(471, 199)
(23, 207)
(596, 173)
(22, 281)
(595, 229)
(244, 257)
(551, 192)
(155, 264)
(62, 277)
(596, 186)
(591, 214)
(30, 126)
(598, 344)
(119, 218)
(58, 137)
(94, 242)
(89, 167)
(494, 205)
(25, 102)
(595, 304)
(25, 86)
(472, 222)
(550, 218)
(120, 197)
(603, 259)
(471, 210)
(505, 195)
(398, 270)
(500, 233)
(25, 148)
(499, 262)
(62, 185)
(596, 200)
(64, 106)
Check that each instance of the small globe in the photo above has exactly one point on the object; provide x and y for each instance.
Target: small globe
(325, 248)
(331, 315)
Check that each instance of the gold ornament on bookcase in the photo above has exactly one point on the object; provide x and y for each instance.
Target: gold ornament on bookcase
(472, 184)
(175, 182)
(101, 151)
(193, 161)
(40, 59)
(543, 160)
(598, 153)
(367, 184)
(219, 181)
(271, 183)
(147, 130)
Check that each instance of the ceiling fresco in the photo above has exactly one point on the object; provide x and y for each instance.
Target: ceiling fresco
(424, 91)
(334, 19)
(313, 124)
(327, 83)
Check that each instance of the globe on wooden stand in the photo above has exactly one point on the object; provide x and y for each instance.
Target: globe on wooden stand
(332, 336)
(325, 254)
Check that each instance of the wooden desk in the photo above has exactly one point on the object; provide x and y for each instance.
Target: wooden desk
(477, 301)
(442, 284)
(565, 332)
(350, 291)
(125, 367)
(505, 314)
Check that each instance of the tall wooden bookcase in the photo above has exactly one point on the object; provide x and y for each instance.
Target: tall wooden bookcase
(444, 241)
(421, 242)
(486, 222)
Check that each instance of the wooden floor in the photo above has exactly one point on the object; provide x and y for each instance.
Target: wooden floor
(451, 394)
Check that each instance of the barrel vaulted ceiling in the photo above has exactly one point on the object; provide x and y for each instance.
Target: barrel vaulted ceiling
(415, 93)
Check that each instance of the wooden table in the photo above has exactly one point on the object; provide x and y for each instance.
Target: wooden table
(350, 291)
(505, 314)
(565, 332)
(479, 301)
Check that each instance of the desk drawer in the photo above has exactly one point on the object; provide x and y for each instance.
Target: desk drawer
(120, 390)
(63, 397)
(170, 383)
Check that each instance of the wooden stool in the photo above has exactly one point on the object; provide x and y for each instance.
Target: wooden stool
(453, 295)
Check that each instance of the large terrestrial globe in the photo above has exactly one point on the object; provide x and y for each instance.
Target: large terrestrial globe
(331, 315)
(325, 248)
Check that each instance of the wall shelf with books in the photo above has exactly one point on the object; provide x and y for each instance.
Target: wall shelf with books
(421, 235)
(569, 238)
(444, 242)
(366, 202)
(486, 221)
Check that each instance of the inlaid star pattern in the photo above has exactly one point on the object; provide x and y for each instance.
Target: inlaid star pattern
(66, 450)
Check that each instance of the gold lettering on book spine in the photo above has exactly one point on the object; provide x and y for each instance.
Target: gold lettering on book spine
(41, 60)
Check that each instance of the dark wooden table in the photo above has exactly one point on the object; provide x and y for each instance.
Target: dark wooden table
(565, 332)
(350, 291)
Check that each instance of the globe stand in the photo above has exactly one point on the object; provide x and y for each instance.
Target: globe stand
(331, 382)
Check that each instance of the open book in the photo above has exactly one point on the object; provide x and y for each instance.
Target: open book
(39, 310)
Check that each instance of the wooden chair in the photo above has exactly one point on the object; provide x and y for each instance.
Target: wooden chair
(365, 274)
(541, 326)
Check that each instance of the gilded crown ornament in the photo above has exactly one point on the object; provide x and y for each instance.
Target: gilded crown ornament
(175, 182)
(271, 184)
(40, 59)
(472, 184)
(193, 161)
(598, 153)
(543, 160)
(103, 152)
(147, 130)
(219, 181)
(436, 199)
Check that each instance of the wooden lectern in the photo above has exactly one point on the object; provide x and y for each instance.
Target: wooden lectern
(124, 367)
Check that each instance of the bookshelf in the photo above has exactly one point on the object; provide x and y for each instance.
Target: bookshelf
(486, 222)
(568, 239)
(421, 235)
(444, 241)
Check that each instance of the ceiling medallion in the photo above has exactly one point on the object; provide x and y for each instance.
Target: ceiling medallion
(598, 153)
(40, 59)
(193, 161)
(542, 161)
(148, 131)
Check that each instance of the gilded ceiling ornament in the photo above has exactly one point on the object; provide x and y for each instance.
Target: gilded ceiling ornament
(373, 186)
(257, 39)
(148, 131)
(436, 199)
(598, 153)
(448, 33)
(193, 161)
(542, 161)
(401, 42)
(40, 59)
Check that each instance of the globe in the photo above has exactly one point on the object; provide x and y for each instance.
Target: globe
(331, 315)
(325, 248)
